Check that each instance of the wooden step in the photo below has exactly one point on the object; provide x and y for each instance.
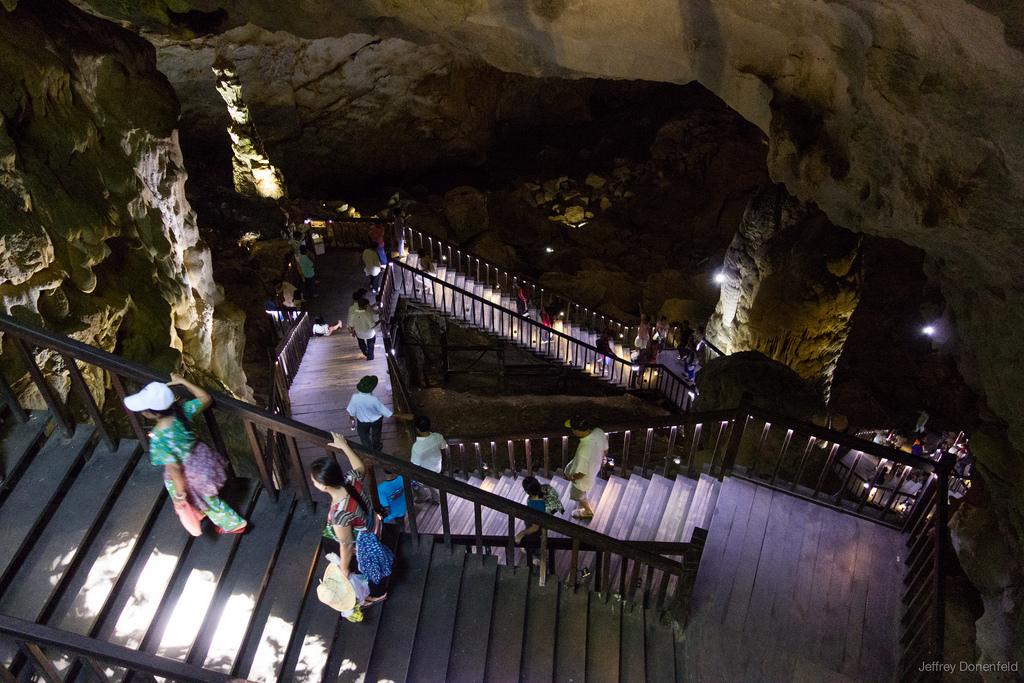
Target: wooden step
(190, 595)
(604, 634)
(433, 645)
(18, 442)
(476, 600)
(604, 516)
(508, 625)
(660, 647)
(633, 657)
(69, 532)
(277, 612)
(233, 607)
(28, 507)
(88, 596)
(400, 614)
(131, 607)
(540, 632)
(571, 641)
(625, 520)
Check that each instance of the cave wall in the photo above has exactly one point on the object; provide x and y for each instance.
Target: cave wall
(790, 283)
(97, 239)
(897, 119)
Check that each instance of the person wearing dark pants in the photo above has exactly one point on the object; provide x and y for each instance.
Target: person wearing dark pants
(367, 413)
(363, 327)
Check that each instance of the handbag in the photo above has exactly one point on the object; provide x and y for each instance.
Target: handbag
(190, 518)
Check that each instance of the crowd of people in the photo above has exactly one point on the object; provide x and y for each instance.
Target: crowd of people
(353, 529)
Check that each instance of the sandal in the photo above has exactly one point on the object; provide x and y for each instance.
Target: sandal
(369, 600)
(581, 514)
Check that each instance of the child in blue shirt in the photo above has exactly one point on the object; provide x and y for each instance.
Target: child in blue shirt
(392, 496)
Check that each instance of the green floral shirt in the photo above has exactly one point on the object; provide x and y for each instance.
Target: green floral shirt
(174, 444)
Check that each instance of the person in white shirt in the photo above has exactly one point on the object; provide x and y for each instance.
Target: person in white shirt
(362, 325)
(426, 453)
(367, 413)
(322, 329)
(583, 469)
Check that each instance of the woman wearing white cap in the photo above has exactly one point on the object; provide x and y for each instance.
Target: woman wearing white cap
(193, 472)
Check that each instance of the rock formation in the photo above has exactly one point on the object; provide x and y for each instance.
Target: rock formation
(97, 238)
(898, 119)
(790, 283)
(252, 170)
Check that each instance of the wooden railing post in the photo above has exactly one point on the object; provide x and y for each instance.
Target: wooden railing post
(56, 409)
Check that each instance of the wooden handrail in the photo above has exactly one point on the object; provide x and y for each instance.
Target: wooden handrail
(91, 648)
(322, 439)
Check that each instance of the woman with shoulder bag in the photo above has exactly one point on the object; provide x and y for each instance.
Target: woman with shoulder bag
(351, 520)
(193, 472)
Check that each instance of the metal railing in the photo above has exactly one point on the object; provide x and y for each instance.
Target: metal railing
(492, 275)
(493, 312)
(924, 586)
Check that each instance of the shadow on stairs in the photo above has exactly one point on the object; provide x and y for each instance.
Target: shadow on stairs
(95, 560)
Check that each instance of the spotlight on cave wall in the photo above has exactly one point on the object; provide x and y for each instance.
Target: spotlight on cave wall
(928, 330)
(253, 172)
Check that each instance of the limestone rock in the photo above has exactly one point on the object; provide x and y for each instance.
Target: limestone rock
(466, 209)
(253, 172)
(107, 249)
(574, 215)
(772, 385)
(781, 293)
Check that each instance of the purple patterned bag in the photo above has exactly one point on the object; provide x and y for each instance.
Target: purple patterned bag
(206, 473)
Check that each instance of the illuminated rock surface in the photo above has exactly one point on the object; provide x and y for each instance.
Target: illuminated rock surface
(99, 241)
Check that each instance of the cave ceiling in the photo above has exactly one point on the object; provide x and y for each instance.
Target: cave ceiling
(899, 119)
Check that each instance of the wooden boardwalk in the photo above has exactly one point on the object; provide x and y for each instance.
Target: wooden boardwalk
(792, 591)
(332, 366)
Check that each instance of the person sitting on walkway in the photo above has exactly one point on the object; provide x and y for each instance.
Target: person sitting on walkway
(363, 326)
(367, 413)
(391, 491)
(426, 452)
(193, 472)
(322, 329)
(351, 520)
(536, 500)
(583, 469)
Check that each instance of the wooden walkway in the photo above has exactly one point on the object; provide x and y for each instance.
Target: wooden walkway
(332, 366)
(792, 591)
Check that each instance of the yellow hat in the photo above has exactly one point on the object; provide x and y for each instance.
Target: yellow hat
(335, 590)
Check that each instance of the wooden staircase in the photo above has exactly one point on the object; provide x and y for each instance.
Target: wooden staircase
(92, 548)
(633, 509)
(489, 309)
